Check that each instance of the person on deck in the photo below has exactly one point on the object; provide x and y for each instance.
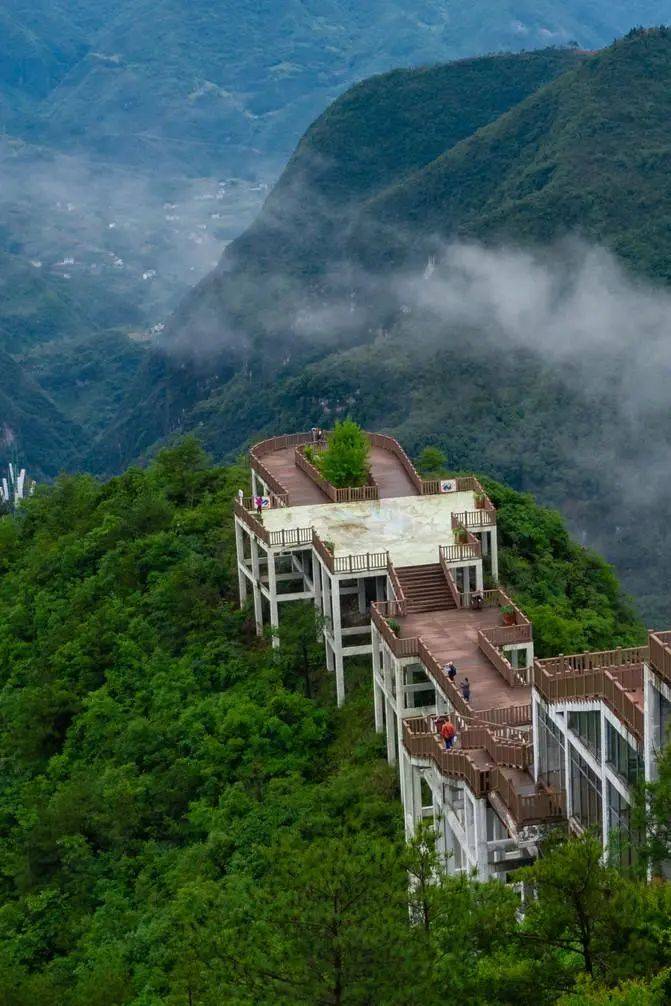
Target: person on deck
(448, 733)
(259, 505)
(466, 690)
(477, 600)
(451, 670)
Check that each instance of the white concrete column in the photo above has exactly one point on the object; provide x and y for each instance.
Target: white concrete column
(534, 733)
(481, 852)
(479, 580)
(240, 553)
(390, 718)
(272, 590)
(361, 593)
(337, 642)
(256, 572)
(255, 485)
(378, 698)
(484, 541)
(317, 581)
(495, 553)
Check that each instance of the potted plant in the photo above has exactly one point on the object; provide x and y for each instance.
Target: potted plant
(480, 499)
(461, 536)
(330, 546)
(394, 626)
(508, 614)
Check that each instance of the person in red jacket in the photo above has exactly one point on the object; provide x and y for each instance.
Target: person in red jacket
(448, 733)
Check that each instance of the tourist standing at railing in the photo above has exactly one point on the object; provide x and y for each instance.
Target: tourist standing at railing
(466, 690)
(450, 670)
(448, 732)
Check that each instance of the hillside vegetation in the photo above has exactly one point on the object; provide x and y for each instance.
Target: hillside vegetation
(188, 819)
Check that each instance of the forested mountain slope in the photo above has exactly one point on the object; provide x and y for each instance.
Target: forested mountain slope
(231, 86)
(325, 305)
(186, 816)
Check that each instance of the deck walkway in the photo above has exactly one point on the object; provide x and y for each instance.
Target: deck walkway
(388, 472)
(302, 490)
(452, 634)
(390, 475)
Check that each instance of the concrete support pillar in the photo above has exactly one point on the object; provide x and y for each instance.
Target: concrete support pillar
(479, 579)
(378, 697)
(361, 593)
(390, 718)
(255, 484)
(337, 642)
(481, 852)
(495, 553)
(317, 581)
(272, 590)
(484, 540)
(256, 572)
(240, 552)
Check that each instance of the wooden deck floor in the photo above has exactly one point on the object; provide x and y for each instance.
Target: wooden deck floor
(302, 490)
(388, 472)
(390, 475)
(452, 634)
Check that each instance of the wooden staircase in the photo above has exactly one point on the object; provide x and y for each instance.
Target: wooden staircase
(425, 588)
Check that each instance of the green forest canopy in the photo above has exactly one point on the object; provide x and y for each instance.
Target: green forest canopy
(182, 824)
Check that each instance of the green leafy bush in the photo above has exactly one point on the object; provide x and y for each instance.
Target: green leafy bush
(345, 461)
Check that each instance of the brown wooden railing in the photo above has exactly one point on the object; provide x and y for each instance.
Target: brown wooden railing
(265, 447)
(528, 809)
(511, 716)
(503, 635)
(291, 536)
(592, 661)
(251, 521)
(660, 654)
(348, 563)
(515, 754)
(477, 519)
(421, 744)
(457, 596)
(592, 684)
(460, 553)
(501, 663)
(396, 586)
(353, 494)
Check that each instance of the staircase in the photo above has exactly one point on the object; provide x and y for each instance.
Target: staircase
(425, 588)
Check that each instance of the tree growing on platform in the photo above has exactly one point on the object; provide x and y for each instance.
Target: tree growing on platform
(345, 461)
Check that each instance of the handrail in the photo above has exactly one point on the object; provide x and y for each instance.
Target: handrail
(453, 763)
(457, 596)
(396, 586)
(348, 563)
(459, 553)
(481, 517)
(594, 683)
(619, 657)
(501, 663)
(251, 520)
(531, 808)
(353, 494)
(660, 654)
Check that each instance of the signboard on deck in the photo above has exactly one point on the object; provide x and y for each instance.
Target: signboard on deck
(448, 485)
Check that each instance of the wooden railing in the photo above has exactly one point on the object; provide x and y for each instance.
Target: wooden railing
(353, 494)
(460, 553)
(660, 654)
(595, 683)
(422, 744)
(396, 586)
(511, 716)
(372, 561)
(501, 663)
(482, 517)
(265, 447)
(591, 661)
(515, 754)
(291, 536)
(528, 809)
(504, 635)
(251, 521)
(457, 596)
